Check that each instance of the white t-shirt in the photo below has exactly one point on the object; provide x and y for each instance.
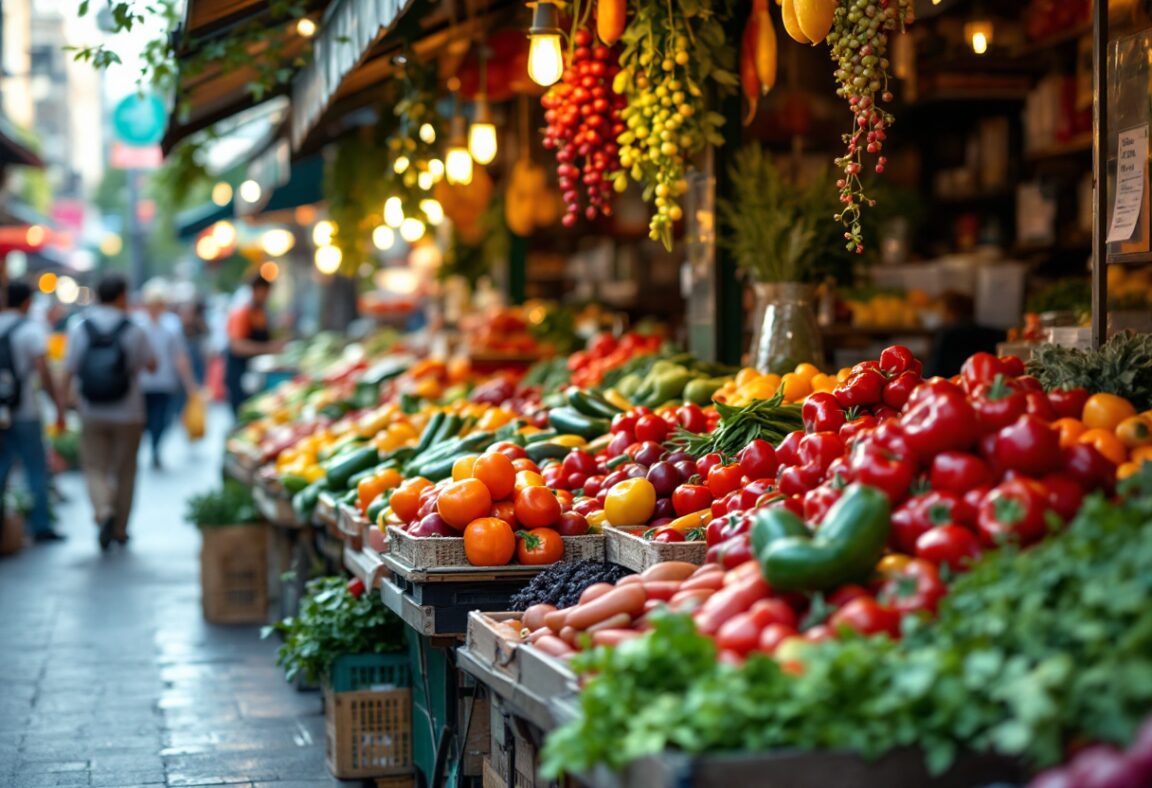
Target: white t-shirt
(166, 336)
(28, 343)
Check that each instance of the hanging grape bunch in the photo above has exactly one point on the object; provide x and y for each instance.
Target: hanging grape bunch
(861, 30)
(583, 117)
(672, 58)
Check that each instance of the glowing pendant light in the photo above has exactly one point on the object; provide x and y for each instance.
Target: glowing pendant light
(457, 159)
(545, 56)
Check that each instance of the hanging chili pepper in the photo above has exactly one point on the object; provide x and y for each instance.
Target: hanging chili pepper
(749, 82)
(611, 18)
(765, 46)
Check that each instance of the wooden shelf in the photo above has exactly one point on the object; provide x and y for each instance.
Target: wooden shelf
(1080, 144)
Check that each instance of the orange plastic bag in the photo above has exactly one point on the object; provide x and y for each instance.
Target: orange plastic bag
(194, 416)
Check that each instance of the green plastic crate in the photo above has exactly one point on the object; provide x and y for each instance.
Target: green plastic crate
(353, 672)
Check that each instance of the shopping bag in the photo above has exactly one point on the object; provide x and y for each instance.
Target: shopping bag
(194, 416)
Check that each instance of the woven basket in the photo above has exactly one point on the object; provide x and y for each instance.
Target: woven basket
(626, 547)
(435, 551)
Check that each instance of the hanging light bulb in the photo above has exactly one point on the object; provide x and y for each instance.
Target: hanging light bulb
(425, 181)
(393, 212)
(433, 211)
(322, 232)
(383, 238)
(482, 133)
(545, 57)
(428, 133)
(979, 35)
(457, 160)
(400, 165)
(412, 229)
(327, 259)
(436, 167)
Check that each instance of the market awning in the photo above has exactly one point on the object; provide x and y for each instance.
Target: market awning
(14, 147)
(349, 30)
(219, 91)
(193, 221)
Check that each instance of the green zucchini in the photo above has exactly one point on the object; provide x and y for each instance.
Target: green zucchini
(542, 435)
(341, 469)
(430, 430)
(569, 420)
(538, 452)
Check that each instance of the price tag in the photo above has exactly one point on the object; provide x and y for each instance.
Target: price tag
(1131, 166)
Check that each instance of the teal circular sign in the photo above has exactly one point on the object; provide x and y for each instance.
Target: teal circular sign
(139, 120)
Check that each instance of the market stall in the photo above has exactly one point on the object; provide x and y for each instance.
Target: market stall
(843, 558)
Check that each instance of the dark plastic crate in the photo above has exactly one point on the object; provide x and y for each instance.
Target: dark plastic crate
(354, 672)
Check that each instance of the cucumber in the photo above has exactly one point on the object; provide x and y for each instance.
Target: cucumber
(591, 404)
(378, 505)
(538, 452)
(294, 482)
(542, 435)
(430, 430)
(341, 469)
(572, 421)
(449, 428)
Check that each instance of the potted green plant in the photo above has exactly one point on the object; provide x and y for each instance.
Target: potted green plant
(777, 232)
(233, 555)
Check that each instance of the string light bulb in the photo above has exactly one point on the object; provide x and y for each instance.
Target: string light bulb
(545, 55)
(979, 35)
(457, 159)
(482, 144)
(383, 238)
(328, 259)
(428, 133)
(401, 165)
(393, 212)
(412, 229)
(323, 232)
(433, 211)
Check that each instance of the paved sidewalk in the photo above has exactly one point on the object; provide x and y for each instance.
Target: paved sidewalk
(110, 677)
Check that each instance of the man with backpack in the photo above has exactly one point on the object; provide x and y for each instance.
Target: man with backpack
(23, 360)
(105, 356)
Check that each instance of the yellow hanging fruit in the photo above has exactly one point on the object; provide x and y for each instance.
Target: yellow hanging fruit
(791, 25)
(815, 18)
(765, 46)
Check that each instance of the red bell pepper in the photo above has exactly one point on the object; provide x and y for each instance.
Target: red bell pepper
(980, 369)
(822, 412)
(818, 501)
(900, 388)
(1089, 467)
(924, 512)
(938, 418)
(857, 427)
(799, 479)
(787, 452)
(1014, 512)
(876, 466)
(997, 404)
(862, 389)
(950, 545)
(820, 449)
(1064, 495)
(1068, 403)
(897, 359)
(1029, 446)
(958, 472)
(1040, 406)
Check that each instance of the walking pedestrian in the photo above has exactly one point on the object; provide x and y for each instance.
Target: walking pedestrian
(106, 354)
(23, 363)
(172, 378)
(249, 335)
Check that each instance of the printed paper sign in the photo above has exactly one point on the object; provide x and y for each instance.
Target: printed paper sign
(1131, 164)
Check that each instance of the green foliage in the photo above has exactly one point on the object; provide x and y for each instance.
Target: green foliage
(230, 505)
(1031, 649)
(333, 622)
(1072, 294)
(1123, 366)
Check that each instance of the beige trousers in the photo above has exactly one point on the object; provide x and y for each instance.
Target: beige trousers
(108, 457)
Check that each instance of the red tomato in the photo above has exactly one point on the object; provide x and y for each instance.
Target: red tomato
(868, 617)
(537, 507)
(913, 588)
(758, 460)
(691, 418)
(951, 545)
(509, 450)
(651, 428)
(724, 479)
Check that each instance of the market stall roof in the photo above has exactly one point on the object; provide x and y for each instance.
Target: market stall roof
(356, 49)
(14, 147)
(219, 91)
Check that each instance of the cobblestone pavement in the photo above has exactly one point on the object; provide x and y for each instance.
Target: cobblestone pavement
(110, 677)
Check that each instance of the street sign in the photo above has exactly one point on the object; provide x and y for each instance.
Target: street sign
(139, 120)
(135, 157)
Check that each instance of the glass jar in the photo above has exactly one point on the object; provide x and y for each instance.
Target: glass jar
(785, 332)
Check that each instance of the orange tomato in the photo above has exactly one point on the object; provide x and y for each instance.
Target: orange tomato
(506, 511)
(1106, 442)
(892, 563)
(489, 541)
(1127, 469)
(1142, 455)
(498, 474)
(405, 502)
(525, 464)
(462, 468)
(463, 501)
(525, 479)
(565, 498)
(795, 387)
(539, 546)
(537, 507)
(368, 490)
(1134, 432)
(1106, 411)
(1070, 430)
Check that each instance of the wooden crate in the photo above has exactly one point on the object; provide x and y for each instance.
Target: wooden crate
(427, 552)
(368, 733)
(626, 547)
(351, 524)
(234, 574)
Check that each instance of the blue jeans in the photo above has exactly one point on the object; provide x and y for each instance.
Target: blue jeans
(158, 414)
(24, 441)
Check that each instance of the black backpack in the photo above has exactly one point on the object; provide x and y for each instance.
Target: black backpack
(11, 387)
(103, 372)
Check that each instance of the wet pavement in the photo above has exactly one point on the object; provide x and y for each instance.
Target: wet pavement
(109, 675)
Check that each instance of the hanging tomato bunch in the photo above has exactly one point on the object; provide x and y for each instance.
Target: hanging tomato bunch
(583, 117)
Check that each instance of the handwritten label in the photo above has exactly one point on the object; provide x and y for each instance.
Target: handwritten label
(1131, 164)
